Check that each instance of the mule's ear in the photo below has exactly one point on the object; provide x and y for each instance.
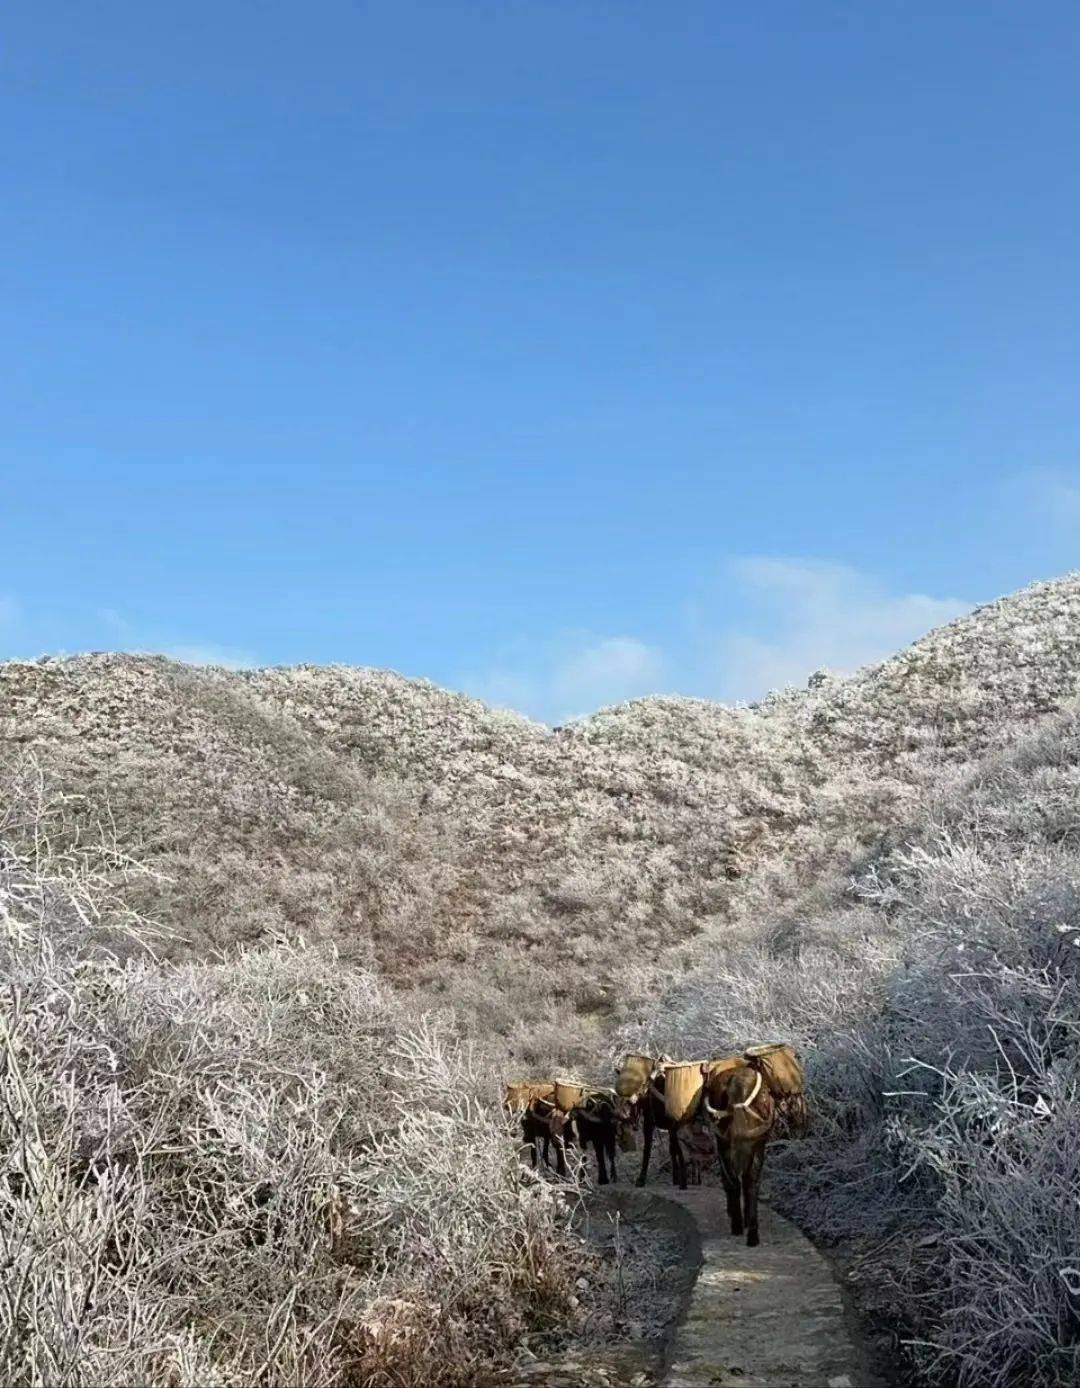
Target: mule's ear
(704, 1067)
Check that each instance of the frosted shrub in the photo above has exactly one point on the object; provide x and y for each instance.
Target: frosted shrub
(429, 836)
(935, 997)
(1009, 1222)
(543, 888)
(252, 1171)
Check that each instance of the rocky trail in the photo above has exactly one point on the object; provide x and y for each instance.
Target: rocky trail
(768, 1317)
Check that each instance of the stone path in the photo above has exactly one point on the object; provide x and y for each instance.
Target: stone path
(766, 1317)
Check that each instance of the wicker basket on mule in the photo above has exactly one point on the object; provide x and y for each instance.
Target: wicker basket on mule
(521, 1094)
(783, 1075)
(683, 1085)
(568, 1094)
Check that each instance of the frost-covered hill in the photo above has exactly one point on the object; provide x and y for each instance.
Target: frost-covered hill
(517, 873)
(934, 993)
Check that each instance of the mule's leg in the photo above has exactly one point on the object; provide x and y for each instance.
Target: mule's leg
(591, 1134)
(646, 1149)
(678, 1164)
(610, 1143)
(601, 1167)
(751, 1185)
(732, 1191)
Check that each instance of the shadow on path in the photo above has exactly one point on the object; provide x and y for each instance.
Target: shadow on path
(766, 1317)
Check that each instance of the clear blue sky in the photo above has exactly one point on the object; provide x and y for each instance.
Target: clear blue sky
(555, 349)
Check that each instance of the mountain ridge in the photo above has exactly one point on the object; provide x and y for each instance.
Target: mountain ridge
(473, 853)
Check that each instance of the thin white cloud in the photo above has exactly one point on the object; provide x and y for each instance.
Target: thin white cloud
(1064, 501)
(227, 656)
(607, 671)
(117, 623)
(188, 652)
(559, 679)
(811, 615)
(10, 610)
(797, 616)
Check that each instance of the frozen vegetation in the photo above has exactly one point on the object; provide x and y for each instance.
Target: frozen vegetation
(256, 1170)
(936, 994)
(883, 869)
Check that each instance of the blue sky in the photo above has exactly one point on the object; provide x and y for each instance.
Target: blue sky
(558, 351)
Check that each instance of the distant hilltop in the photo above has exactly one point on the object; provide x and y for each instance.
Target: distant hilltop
(511, 871)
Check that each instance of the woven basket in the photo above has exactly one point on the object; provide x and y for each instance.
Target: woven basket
(792, 1116)
(521, 1093)
(717, 1074)
(682, 1090)
(779, 1067)
(633, 1074)
(568, 1094)
(723, 1065)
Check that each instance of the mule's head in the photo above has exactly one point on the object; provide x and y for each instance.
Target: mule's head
(736, 1097)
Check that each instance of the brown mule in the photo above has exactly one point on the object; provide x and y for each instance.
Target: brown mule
(742, 1107)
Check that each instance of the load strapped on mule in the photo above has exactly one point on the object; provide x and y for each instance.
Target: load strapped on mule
(683, 1083)
(633, 1075)
(522, 1094)
(783, 1076)
(567, 1095)
(721, 1066)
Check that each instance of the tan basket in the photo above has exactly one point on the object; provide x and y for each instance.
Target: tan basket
(568, 1094)
(682, 1090)
(779, 1067)
(521, 1093)
(634, 1072)
(792, 1117)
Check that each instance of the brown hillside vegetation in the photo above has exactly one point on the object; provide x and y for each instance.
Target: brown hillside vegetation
(451, 846)
(935, 994)
(287, 1165)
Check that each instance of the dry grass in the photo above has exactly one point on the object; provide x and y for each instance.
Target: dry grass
(253, 1171)
(464, 852)
(936, 997)
(863, 867)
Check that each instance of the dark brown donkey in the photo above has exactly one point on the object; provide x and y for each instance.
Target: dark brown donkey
(739, 1103)
(531, 1101)
(643, 1089)
(639, 1085)
(593, 1121)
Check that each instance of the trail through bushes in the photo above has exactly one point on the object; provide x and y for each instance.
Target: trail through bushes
(936, 998)
(258, 1170)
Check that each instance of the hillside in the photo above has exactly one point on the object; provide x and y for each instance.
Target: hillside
(883, 869)
(934, 994)
(515, 872)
